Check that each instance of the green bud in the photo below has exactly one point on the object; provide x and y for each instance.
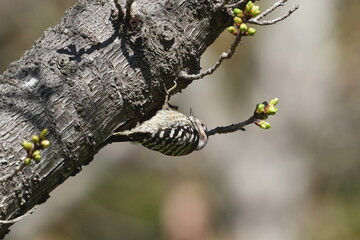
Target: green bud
(263, 124)
(260, 108)
(255, 11)
(37, 152)
(231, 30)
(243, 27)
(271, 110)
(43, 133)
(27, 145)
(249, 6)
(274, 101)
(237, 11)
(45, 143)
(237, 20)
(27, 161)
(251, 31)
(35, 139)
(37, 157)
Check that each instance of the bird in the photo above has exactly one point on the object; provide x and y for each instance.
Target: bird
(169, 131)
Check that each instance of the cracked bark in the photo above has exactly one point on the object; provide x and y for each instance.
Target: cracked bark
(88, 76)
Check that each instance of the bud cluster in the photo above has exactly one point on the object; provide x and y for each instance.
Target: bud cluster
(33, 148)
(262, 112)
(241, 16)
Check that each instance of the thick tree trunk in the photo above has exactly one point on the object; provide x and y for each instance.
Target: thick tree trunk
(92, 73)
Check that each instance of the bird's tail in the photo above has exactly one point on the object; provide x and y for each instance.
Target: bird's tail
(126, 136)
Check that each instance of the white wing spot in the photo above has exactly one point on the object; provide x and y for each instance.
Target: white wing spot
(179, 133)
(172, 133)
(191, 137)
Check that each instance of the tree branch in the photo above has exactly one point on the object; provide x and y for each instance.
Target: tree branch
(231, 128)
(223, 56)
(247, 19)
(86, 77)
(257, 19)
(262, 112)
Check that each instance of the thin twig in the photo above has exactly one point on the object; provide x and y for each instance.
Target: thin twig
(167, 96)
(271, 9)
(231, 128)
(257, 19)
(10, 221)
(262, 112)
(120, 11)
(128, 11)
(231, 51)
(224, 55)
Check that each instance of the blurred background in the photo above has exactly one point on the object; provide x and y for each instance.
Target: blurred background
(298, 180)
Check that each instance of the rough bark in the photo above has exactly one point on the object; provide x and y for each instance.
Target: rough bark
(87, 76)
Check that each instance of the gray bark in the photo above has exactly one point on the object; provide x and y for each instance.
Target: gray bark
(89, 75)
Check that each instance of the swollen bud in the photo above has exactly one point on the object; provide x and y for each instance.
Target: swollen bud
(274, 101)
(27, 145)
(260, 108)
(271, 110)
(251, 31)
(35, 139)
(231, 30)
(263, 124)
(237, 11)
(27, 161)
(43, 133)
(255, 10)
(37, 157)
(45, 143)
(238, 20)
(243, 27)
(37, 152)
(249, 6)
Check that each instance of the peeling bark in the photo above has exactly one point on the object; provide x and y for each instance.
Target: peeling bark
(89, 75)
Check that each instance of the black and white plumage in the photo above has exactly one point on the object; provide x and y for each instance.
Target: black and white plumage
(169, 132)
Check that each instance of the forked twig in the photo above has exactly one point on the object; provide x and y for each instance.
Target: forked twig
(256, 20)
(128, 10)
(224, 55)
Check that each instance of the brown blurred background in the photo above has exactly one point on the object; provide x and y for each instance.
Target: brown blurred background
(298, 180)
